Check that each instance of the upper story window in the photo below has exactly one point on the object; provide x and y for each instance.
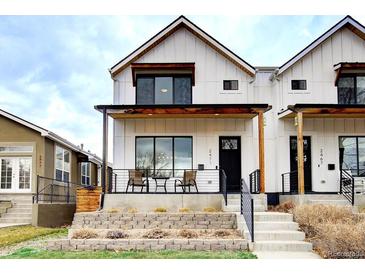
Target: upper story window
(63, 164)
(351, 89)
(85, 173)
(298, 84)
(230, 84)
(16, 149)
(162, 90)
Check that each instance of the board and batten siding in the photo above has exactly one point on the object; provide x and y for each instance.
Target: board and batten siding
(317, 67)
(211, 68)
(205, 135)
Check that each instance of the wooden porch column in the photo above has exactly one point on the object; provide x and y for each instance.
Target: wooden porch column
(300, 153)
(261, 151)
(104, 170)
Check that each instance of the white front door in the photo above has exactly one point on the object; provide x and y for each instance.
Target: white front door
(15, 174)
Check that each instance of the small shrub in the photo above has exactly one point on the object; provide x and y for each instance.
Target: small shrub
(155, 234)
(84, 234)
(185, 233)
(132, 210)
(116, 234)
(286, 207)
(160, 209)
(222, 233)
(184, 210)
(210, 209)
(113, 210)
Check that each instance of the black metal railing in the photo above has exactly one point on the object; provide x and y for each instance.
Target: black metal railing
(247, 209)
(254, 179)
(49, 190)
(207, 181)
(223, 183)
(289, 182)
(347, 186)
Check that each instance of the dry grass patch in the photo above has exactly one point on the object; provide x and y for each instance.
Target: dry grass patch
(210, 209)
(160, 210)
(132, 210)
(286, 207)
(116, 234)
(189, 234)
(335, 231)
(184, 210)
(114, 210)
(84, 234)
(156, 234)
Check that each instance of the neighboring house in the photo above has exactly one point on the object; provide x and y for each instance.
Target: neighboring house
(38, 165)
(184, 101)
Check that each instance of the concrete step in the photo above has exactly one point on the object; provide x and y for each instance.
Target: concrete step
(17, 215)
(15, 220)
(330, 202)
(237, 208)
(286, 255)
(274, 226)
(294, 246)
(279, 235)
(273, 216)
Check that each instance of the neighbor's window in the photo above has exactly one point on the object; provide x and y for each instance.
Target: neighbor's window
(63, 160)
(164, 155)
(298, 84)
(85, 173)
(351, 89)
(162, 90)
(230, 84)
(352, 154)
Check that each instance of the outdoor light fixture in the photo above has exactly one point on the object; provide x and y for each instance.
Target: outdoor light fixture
(216, 114)
(295, 121)
(164, 90)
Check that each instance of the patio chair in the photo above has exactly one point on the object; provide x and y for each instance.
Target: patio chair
(136, 179)
(189, 180)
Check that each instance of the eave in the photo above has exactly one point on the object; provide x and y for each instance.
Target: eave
(324, 111)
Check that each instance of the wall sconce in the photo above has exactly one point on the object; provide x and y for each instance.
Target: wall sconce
(164, 90)
(295, 121)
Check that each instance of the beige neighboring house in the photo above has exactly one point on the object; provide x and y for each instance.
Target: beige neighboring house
(39, 172)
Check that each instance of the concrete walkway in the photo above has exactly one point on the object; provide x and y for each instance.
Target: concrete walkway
(2, 225)
(286, 255)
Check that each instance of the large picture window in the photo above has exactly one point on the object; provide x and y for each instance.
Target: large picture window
(63, 166)
(351, 89)
(164, 155)
(162, 90)
(352, 154)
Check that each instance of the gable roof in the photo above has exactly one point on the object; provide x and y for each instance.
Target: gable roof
(49, 134)
(170, 29)
(348, 22)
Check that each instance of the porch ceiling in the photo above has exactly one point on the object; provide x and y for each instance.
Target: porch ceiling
(184, 111)
(324, 111)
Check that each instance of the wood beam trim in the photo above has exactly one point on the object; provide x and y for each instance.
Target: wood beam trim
(261, 137)
(300, 153)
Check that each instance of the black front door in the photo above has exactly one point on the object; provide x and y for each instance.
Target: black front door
(230, 161)
(307, 161)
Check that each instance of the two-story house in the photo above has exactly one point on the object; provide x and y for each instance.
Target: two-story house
(189, 115)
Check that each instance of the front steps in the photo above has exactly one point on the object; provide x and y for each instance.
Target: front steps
(331, 199)
(234, 203)
(20, 211)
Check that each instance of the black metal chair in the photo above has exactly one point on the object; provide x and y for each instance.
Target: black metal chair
(189, 180)
(136, 180)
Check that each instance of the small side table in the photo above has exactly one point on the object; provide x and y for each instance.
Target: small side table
(161, 185)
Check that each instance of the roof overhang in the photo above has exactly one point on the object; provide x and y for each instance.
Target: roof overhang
(347, 67)
(347, 22)
(162, 68)
(169, 30)
(183, 111)
(324, 111)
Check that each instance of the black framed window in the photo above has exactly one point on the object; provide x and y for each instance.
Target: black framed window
(298, 84)
(352, 154)
(230, 84)
(164, 155)
(163, 89)
(351, 89)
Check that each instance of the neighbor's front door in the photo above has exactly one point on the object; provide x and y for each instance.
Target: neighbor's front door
(15, 174)
(230, 161)
(307, 160)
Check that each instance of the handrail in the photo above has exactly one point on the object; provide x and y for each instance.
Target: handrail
(289, 182)
(247, 208)
(223, 179)
(347, 186)
(254, 179)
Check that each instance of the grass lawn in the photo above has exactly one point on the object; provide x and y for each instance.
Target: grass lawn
(30, 253)
(17, 234)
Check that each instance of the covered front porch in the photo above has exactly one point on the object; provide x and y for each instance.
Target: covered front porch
(324, 144)
(187, 149)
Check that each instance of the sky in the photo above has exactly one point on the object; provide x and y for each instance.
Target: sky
(54, 69)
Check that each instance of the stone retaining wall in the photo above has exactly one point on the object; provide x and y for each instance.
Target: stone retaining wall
(155, 220)
(147, 244)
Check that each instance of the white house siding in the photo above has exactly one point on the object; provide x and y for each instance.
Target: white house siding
(211, 68)
(205, 134)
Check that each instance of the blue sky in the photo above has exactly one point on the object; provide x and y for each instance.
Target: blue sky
(54, 69)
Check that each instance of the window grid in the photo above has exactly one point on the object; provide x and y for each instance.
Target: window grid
(62, 164)
(85, 173)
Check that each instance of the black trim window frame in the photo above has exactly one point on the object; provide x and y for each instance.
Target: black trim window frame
(228, 85)
(173, 76)
(298, 85)
(354, 77)
(357, 153)
(154, 151)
